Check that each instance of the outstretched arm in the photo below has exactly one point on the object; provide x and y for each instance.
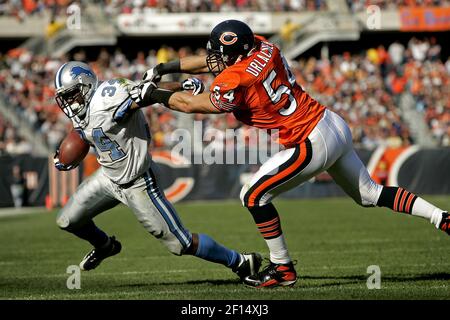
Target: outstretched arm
(194, 65)
(190, 65)
(172, 86)
(193, 84)
(187, 103)
(147, 94)
(128, 105)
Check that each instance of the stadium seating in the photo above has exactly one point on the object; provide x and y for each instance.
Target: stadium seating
(363, 88)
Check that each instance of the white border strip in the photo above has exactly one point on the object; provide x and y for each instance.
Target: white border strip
(375, 158)
(395, 168)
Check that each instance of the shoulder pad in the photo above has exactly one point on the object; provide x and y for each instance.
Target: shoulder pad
(227, 80)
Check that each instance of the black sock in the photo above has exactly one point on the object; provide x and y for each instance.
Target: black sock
(267, 220)
(397, 199)
(91, 233)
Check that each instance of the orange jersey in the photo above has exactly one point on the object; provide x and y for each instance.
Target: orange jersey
(262, 92)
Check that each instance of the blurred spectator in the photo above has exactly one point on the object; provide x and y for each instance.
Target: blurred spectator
(53, 28)
(418, 49)
(287, 31)
(396, 51)
(17, 186)
(434, 53)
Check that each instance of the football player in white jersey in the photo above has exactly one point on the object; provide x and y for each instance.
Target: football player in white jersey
(120, 138)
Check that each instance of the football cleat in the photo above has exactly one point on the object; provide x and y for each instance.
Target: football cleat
(445, 223)
(249, 265)
(97, 255)
(274, 275)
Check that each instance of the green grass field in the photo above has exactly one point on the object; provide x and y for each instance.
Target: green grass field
(333, 240)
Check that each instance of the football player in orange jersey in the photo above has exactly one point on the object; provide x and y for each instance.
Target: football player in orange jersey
(253, 80)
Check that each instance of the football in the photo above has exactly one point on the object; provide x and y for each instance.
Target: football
(73, 149)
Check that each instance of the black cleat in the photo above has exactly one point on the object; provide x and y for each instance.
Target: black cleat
(445, 223)
(93, 258)
(274, 275)
(249, 265)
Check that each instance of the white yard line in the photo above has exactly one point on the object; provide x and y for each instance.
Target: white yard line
(13, 212)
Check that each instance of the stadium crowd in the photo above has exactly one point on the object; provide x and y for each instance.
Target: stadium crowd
(220, 5)
(11, 142)
(23, 8)
(428, 80)
(364, 88)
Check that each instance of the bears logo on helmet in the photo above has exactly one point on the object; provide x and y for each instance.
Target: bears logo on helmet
(228, 38)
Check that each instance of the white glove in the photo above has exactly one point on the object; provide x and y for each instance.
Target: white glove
(141, 93)
(152, 75)
(194, 84)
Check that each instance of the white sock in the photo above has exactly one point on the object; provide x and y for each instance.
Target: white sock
(428, 211)
(278, 250)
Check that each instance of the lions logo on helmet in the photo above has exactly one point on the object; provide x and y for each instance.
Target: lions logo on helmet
(75, 84)
(79, 70)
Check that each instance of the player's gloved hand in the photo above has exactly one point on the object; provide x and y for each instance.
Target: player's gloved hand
(152, 75)
(194, 84)
(61, 166)
(123, 110)
(141, 94)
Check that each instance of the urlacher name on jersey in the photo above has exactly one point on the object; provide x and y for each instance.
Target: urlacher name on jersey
(256, 66)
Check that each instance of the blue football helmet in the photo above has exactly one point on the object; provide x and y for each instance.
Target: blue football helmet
(75, 84)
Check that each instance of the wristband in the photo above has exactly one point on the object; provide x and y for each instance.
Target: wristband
(168, 67)
(161, 96)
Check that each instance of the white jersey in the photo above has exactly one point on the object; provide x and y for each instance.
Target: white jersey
(122, 148)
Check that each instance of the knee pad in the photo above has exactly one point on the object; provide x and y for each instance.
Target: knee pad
(62, 220)
(68, 221)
